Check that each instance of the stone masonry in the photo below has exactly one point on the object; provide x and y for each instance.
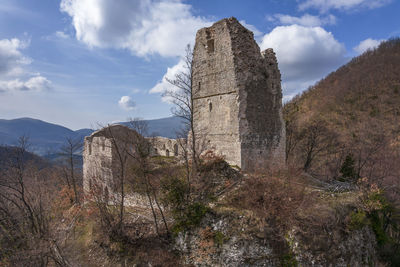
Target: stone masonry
(237, 97)
(101, 162)
(237, 108)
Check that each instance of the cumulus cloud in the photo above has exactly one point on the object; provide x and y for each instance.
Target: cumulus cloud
(326, 5)
(144, 27)
(305, 54)
(366, 45)
(305, 20)
(127, 103)
(37, 83)
(164, 85)
(13, 76)
(11, 58)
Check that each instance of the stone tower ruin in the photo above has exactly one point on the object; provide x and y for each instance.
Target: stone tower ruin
(237, 97)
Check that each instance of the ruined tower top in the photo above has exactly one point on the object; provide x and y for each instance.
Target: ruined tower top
(237, 97)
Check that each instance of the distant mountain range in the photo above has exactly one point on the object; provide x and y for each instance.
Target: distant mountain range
(9, 155)
(47, 138)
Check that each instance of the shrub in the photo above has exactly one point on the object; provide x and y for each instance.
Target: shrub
(348, 170)
(175, 193)
(270, 197)
(289, 260)
(358, 220)
(219, 238)
(190, 217)
(186, 212)
(380, 214)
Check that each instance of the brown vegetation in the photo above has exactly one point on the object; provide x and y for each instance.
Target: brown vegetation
(27, 232)
(343, 143)
(355, 110)
(347, 126)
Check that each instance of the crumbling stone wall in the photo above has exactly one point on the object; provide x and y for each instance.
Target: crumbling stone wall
(101, 165)
(237, 97)
(162, 146)
(97, 162)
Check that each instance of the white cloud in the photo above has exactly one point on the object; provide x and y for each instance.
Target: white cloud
(127, 103)
(164, 85)
(13, 75)
(37, 83)
(305, 20)
(366, 45)
(145, 27)
(305, 54)
(61, 35)
(252, 28)
(11, 58)
(326, 5)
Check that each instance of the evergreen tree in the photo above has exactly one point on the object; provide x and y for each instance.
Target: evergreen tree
(348, 170)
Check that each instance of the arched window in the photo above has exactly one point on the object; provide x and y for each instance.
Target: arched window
(210, 106)
(176, 150)
(167, 153)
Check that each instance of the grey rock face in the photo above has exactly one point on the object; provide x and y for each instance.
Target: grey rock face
(241, 246)
(237, 97)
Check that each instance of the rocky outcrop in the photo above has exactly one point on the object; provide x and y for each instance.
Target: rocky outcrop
(232, 239)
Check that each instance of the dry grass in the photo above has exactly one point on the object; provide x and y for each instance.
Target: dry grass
(275, 198)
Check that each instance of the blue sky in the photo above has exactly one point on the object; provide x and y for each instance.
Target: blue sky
(82, 62)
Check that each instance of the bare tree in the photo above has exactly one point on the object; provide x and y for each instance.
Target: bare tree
(25, 212)
(316, 140)
(290, 114)
(120, 142)
(71, 148)
(182, 96)
(141, 156)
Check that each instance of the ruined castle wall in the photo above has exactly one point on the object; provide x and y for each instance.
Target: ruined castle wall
(101, 164)
(215, 93)
(262, 134)
(97, 162)
(162, 146)
(237, 97)
(277, 146)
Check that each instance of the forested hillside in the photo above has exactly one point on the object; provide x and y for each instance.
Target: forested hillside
(347, 128)
(353, 113)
